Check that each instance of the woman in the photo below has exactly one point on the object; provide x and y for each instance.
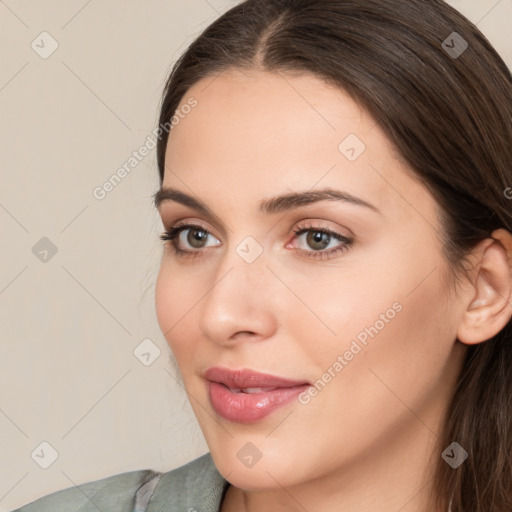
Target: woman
(336, 283)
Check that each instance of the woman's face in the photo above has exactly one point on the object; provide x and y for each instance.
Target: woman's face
(365, 313)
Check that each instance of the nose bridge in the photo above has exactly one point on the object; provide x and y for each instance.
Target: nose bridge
(238, 299)
(243, 267)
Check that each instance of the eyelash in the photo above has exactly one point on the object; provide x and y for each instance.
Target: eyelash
(172, 234)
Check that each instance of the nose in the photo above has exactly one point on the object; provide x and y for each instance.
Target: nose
(239, 304)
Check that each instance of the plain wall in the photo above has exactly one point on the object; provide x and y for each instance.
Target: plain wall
(69, 324)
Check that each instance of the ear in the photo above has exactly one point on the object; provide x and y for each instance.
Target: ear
(489, 308)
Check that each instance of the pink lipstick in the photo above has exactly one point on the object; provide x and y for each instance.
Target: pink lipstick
(247, 396)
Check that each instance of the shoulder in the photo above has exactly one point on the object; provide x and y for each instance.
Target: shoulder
(115, 492)
(197, 484)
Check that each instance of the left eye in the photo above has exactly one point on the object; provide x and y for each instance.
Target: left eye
(320, 239)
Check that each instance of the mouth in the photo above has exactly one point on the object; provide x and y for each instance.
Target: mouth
(247, 396)
(251, 390)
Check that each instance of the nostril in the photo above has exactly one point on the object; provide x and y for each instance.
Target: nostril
(243, 333)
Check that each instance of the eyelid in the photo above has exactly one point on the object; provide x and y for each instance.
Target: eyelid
(172, 217)
(322, 225)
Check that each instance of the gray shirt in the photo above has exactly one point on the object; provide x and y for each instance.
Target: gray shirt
(194, 487)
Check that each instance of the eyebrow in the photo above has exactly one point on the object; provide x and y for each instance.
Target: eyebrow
(270, 206)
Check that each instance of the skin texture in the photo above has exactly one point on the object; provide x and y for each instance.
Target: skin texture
(366, 441)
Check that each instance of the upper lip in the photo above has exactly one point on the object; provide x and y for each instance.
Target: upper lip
(246, 378)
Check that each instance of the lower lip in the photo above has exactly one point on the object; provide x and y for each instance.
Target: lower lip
(249, 407)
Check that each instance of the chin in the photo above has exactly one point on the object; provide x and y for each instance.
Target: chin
(254, 479)
(267, 472)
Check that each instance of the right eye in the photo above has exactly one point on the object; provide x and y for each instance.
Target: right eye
(182, 234)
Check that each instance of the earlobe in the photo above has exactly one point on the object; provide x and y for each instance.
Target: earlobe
(490, 308)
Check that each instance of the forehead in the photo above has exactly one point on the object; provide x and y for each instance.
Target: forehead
(262, 132)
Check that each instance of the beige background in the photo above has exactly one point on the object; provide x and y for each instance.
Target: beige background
(69, 326)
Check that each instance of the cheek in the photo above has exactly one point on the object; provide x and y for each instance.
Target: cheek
(330, 306)
(391, 308)
(395, 348)
(174, 300)
(163, 305)
(390, 379)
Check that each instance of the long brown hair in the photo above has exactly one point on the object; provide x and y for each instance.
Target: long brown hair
(443, 96)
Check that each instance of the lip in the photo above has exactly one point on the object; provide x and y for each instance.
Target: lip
(240, 407)
(246, 378)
